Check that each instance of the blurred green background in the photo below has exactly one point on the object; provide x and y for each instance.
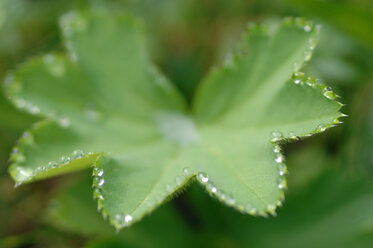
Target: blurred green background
(330, 197)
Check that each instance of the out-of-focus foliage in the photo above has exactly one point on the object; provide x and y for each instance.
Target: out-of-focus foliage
(187, 36)
(354, 17)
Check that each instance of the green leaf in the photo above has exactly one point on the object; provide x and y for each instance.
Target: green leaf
(109, 106)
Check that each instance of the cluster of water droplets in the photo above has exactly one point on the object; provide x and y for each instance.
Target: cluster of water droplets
(282, 169)
(307, 27)
(121, 220)
(118, 220)
(14, 87)
(228, 199)
(98, 183)
(300, 79)
(23, 174)
(71, 23)
(302, 23)
(55, 67)
(27, 106)
(90, 113)
(178, 182)
(328, 93)
(54, 64)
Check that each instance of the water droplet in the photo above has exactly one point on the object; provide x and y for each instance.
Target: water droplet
(282, 183)
(307, 55)
(169, 188)
(277, 149)
(64, 160)
(336, 121)
(178, 181)
(104, 214)
(212, 188)
(52, 164)
(282, 169)
(65, 122)
(32, 109)
(20, 103)
(77, 154)
(73, 21)
(263, 214)
(187, 171)
(97, 194)
(321, 128)
(101, 182)
(221, 195)
(307, 28)
(311, 81)
(279, 158)
(276, 136)
(23, 174)
(119, 219)
(55, 65)
(298, 74)
(329, 94)
(17, 184)
(271, 209)
(203, 177)
(251, 210)
(230, 200)
(26, 135)
(292, 135)
(128, 218)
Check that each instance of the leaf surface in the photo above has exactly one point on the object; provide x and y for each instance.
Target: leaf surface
(108, 106)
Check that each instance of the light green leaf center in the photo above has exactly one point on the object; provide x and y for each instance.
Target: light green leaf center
(177, 128)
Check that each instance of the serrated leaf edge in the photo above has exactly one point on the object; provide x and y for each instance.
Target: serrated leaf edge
(22, 175)
(122, 220)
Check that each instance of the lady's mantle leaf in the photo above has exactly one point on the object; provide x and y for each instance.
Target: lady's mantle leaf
(111, 107)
